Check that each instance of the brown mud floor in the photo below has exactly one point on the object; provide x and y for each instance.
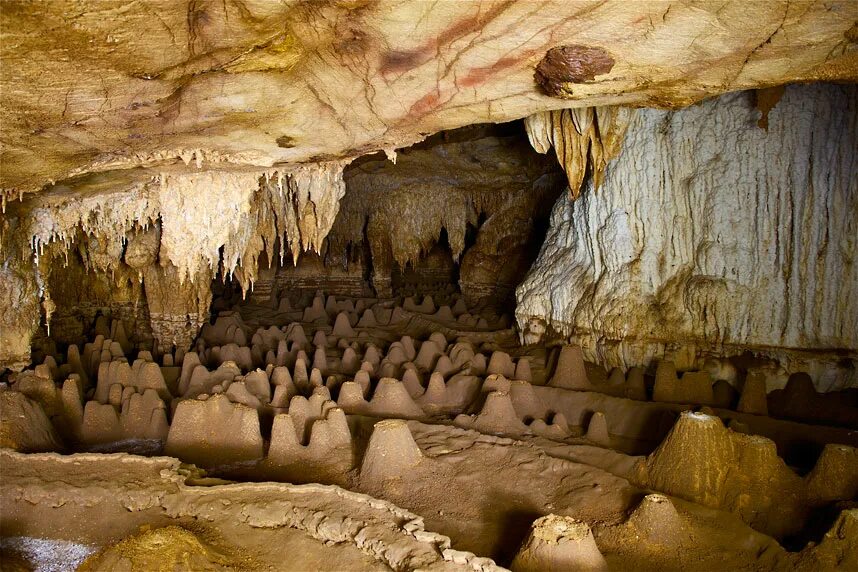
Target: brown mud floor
(392, 419)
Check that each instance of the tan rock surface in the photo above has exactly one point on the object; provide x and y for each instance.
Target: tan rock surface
(255, 83)
(319, 527)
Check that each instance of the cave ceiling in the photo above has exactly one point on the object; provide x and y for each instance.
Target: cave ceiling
(104, 86)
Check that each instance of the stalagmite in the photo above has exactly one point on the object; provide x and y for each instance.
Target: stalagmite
(835, 474)
(342, 326)
(692, 387)
(635, 384)
(703, 461)
(71, 396)
(525, 402)
(498, 416)
(367, 319)
(144, 417)
(428, 355)
(656, 519)
(391, 398)
(665, 388)
(753, 398)
(351, 398)
(559, 543)
(501, 363)
(511, 434)
(101, 423)
(411, 381)
(328, 432)
(435, 395)
(214, 431)
(570, 372)
(391, 452)
(522, 370)
(597, 430)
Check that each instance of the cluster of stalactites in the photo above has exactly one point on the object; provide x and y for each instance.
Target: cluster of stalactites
(582, 137)
(200, 222)
(244, 214)
(105, 218)
(208, 219)
(407, 222)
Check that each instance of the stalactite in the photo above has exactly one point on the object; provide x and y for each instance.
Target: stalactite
(200, 213)
(583, 138)
(446, 188)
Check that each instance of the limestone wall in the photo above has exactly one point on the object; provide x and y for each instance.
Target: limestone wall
(711, 233)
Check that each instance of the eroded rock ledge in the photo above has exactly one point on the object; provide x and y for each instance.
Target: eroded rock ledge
(131, 489)
(114, 85)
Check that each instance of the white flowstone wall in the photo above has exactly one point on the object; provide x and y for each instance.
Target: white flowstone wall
(711, 235)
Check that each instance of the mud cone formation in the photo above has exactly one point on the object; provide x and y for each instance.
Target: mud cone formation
(429, 286)
(657, 520)
(391, 452)
(415, 409)
(559, 543)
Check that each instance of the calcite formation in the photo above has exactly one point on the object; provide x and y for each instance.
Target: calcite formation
(711, 234)
(198, 214)
(557, 542)
(172, 231)
(114, 125)
(583, 138)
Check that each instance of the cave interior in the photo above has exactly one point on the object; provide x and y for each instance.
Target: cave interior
(604, 327)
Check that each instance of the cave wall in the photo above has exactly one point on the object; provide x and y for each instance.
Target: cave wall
(19, 296)
(712, 233)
